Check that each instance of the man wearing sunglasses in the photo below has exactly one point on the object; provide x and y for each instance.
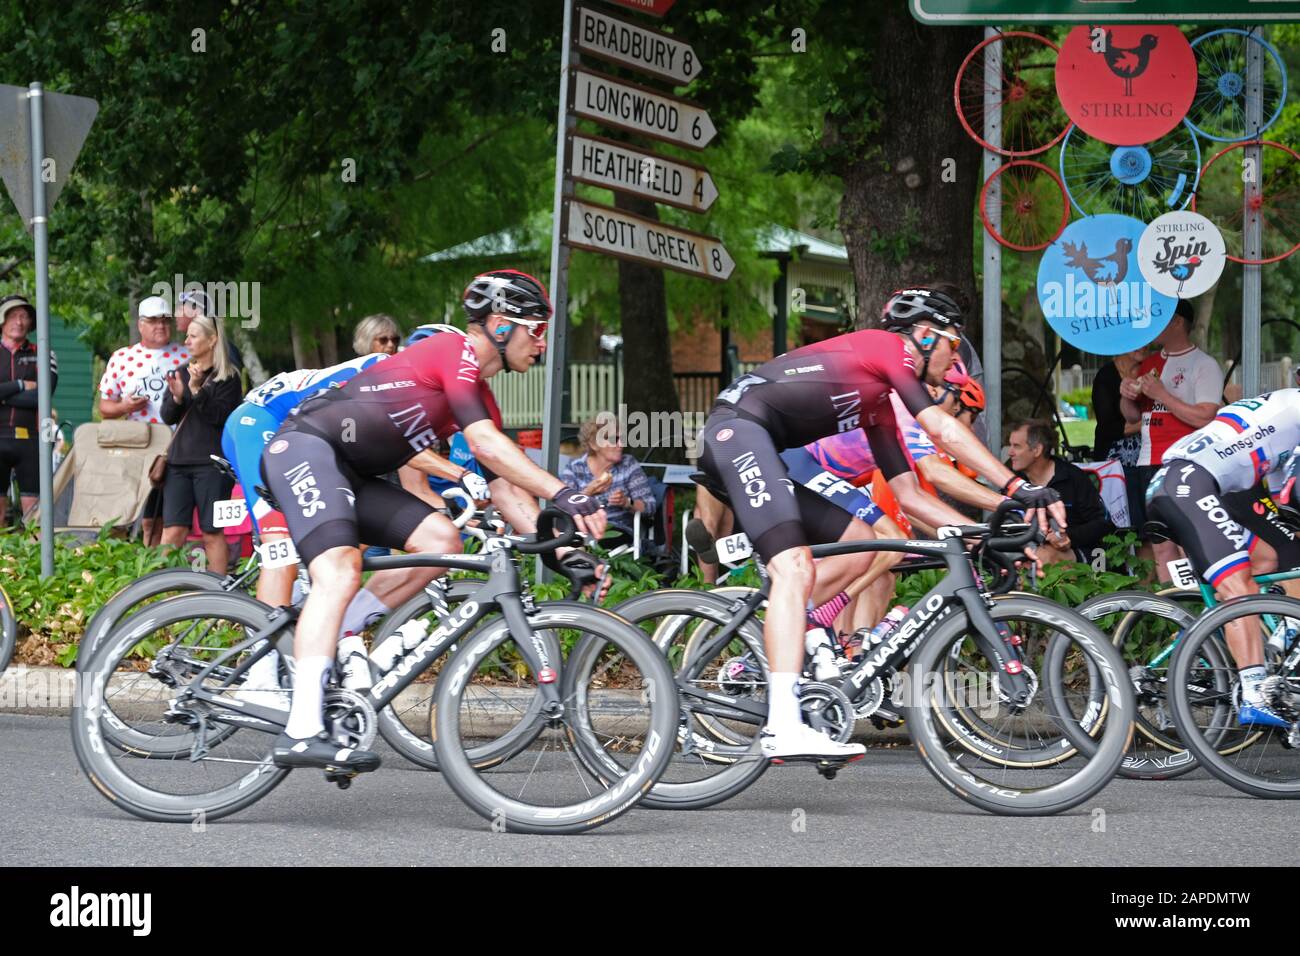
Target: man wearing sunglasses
(828, 388)
(323, 467)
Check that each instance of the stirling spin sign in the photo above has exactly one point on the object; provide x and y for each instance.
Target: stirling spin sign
(1092, 290)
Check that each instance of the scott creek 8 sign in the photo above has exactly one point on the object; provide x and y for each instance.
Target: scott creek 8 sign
(614, 232)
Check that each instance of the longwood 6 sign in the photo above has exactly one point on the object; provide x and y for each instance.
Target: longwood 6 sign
(638, 109)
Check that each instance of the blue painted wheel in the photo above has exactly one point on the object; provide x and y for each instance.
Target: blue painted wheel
(1219, 110)
(1139, 181)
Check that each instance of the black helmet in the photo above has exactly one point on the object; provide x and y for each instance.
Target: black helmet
(508, 293)
(906, 307)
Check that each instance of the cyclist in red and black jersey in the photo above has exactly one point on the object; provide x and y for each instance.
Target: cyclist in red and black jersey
(820, 390)
(323, 468)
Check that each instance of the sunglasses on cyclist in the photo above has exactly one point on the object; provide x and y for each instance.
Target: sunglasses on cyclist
(953, 338)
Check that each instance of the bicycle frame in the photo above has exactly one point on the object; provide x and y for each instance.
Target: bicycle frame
(959, 588)
(501, 591)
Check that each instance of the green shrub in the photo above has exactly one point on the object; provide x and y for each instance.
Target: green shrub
(53, 612)
(1079, 396)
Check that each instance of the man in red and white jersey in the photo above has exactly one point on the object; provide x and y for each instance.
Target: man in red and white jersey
(1176, 391)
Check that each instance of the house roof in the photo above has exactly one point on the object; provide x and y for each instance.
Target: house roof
(771, 241)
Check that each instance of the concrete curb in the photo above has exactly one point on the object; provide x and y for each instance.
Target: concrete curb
(51, 691)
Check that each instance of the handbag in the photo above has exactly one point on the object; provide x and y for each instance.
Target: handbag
(158, 470)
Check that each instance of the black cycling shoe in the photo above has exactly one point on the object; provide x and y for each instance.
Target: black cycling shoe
(322, 753)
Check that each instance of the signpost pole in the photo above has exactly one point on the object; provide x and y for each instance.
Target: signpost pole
(992, 251)
(557, 346)
(1252, 226)
(40, 235)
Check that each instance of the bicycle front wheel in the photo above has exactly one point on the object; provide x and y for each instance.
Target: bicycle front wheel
(948, 670)
(626, 706)
(1205, 689)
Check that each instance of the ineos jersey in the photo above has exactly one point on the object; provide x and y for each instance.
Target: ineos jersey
(850, 456)
(285, 392)
(832, 388)
(384, 416)
(1246, 441)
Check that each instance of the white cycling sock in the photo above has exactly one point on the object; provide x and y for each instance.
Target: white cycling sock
(305, 717)
(265, 672)
(1251, 678)
(359, 611)
(782, 702)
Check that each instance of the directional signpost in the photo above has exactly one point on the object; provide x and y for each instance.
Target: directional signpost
(603, 162)
(626, 44)
(617, 233)
(41, 134)
(638, 109)
(635, 170)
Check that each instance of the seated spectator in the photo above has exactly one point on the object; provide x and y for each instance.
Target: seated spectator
(200, 397)
(376, 333)
(1033, 457)
(20, 448)
(615, 479)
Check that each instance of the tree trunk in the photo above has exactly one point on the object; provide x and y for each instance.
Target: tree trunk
(305, 352)
(1024, 348)
(648, 361)
(901, 221)
(329, 345)
(252, 361)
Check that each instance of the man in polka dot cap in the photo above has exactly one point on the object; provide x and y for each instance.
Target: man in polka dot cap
(136, 380)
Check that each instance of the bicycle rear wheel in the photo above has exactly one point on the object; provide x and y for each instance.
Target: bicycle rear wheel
(211, 776)
(626, 708)
(1206, 693)
(714, 758)
(1026, 789)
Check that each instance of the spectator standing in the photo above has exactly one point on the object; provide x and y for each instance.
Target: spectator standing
(1175, 391)
(135, 382)
(194, 303)
(200, 397)
(376, 333)
(614, 478)
(20, 445)
(1033, 457)
(1115, 438)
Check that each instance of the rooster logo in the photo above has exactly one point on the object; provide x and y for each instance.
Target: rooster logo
(1128, 63)
(1106, 271)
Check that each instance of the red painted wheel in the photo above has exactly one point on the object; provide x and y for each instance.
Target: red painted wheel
(1034, 207)
(1032, 118)
(1221, 197)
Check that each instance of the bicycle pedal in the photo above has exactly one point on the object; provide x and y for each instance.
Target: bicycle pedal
(343, 780)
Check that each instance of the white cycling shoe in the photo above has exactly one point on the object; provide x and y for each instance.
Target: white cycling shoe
(804, 743)
(262, 685)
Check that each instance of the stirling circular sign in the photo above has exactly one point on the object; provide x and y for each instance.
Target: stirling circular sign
(1182, 254)
(1126, 85)
(1092, 291)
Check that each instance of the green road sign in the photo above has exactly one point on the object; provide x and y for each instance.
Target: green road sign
(954, 12)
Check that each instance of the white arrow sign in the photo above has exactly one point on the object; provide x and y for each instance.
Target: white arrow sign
(640, 110)
(648, 51)
(603, 162)
(617, 233)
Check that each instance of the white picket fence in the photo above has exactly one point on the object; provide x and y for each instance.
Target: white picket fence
(522, 396)
(592, 390)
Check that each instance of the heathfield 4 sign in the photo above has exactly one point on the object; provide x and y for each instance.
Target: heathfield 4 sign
(1092, 290)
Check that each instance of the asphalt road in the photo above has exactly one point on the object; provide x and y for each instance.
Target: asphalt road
(885, 809)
